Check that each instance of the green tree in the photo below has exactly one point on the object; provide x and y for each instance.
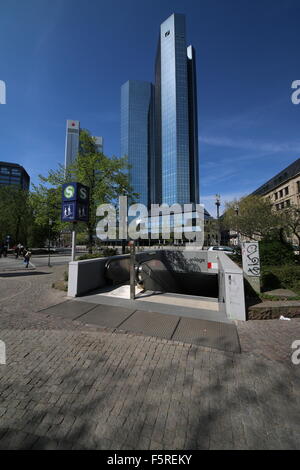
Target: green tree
(252, 217)
(106, 178)
(45, 208)
(291, 221)
(15, 213)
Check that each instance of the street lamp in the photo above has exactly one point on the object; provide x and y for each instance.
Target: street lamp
(218, 203)
(49, 231)
(236, 210)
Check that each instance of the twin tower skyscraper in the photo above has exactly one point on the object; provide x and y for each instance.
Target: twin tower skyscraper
(159, 125)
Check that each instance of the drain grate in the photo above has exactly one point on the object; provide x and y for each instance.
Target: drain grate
(211, 334)
(70, 309)
(107, 316)
(151, 324)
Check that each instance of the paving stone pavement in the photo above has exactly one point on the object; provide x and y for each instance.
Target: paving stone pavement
(69, 386)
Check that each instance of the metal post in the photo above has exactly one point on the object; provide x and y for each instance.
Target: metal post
(132, 270)
(73, 241)
(49, 229)
(218, 203)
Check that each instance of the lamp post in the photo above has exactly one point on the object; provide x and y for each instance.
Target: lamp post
(218, 203)
(236, 210)
(49, 231)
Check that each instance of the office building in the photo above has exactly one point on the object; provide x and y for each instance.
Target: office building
(99, 144)
(14, 174)
(283, 190)
(176, 108)
(159, 126)
(72, 146)
(136, 97)
(72, 141)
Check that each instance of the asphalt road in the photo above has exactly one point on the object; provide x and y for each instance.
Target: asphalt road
(11, 263)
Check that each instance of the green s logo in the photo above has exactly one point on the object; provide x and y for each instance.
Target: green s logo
(69, 192)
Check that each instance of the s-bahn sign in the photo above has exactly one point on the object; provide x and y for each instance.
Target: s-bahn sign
(75, 203)
(251, 260)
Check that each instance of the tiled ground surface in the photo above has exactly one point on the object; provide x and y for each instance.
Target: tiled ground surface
(66, 385)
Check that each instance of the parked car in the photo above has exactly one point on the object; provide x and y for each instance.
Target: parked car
(227, 249)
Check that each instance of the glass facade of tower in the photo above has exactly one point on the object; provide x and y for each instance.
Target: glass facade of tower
(160, 125)
(72, 141)
(174, 112)
(136, 99)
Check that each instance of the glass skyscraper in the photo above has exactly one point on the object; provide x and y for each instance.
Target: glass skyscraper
(136, 99)
(72, 141)
(159, 123)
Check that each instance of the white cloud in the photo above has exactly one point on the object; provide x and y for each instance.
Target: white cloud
(250, 144)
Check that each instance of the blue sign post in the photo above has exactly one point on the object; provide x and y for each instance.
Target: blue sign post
(75, 207)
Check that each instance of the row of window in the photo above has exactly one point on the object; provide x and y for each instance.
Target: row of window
(282, 192)
(283, 205)
(6, 171)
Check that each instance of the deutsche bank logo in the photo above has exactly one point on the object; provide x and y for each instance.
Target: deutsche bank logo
(2, 92)
(2, 353)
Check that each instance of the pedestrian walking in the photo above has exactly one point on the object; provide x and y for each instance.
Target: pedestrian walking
(18, 250)
(27, 256)
(5, 248)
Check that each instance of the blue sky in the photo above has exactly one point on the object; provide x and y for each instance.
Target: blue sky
(67, 59)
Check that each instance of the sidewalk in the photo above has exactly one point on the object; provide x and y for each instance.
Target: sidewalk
(68, 385)
(10, 263)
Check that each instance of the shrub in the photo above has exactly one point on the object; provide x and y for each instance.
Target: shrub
(109, 252)
(90, 256)
(276, 253)
(286, 276)
(66, 276)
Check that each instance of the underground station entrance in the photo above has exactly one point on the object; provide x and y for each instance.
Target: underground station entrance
(173, 295)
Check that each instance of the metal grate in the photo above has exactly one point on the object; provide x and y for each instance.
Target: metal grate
(107, 316)
(151, 324)
(206, 333)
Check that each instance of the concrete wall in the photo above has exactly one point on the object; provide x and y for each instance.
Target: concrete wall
(88, 275)
(231, 288)
(85, 276)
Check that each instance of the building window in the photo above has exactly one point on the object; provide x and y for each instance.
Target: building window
(286, 190)
(281, 193)
(277, 207)
(298, 186)
(288, 203)
(276, 195)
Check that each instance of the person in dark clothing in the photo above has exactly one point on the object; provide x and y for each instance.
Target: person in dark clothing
(5, 248)
(27, 256)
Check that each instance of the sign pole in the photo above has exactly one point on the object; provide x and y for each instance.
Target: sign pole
(73, 241)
